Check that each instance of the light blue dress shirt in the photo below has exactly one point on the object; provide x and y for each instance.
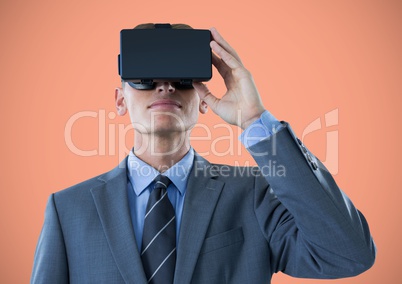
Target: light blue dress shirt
(260, 129)
(141, 176)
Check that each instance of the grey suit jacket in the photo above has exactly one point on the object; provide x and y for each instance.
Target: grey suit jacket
(239, 224)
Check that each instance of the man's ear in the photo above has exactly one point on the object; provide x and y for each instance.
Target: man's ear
(203, 107)
(120, 102)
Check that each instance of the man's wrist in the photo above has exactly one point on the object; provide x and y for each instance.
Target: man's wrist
(251, 120)
(262, 127)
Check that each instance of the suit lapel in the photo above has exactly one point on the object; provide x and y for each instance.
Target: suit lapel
(112, 205)
(202, 194)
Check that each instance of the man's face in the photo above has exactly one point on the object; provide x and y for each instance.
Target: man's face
(163, 110)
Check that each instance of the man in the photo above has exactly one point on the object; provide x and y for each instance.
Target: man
(230, 224)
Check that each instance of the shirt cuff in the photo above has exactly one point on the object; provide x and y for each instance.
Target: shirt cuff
(260, 129)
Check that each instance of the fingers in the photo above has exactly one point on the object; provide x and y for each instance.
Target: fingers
(229, 59)
(222, 68)
(228, 55)
(206, 95)
(223, 43)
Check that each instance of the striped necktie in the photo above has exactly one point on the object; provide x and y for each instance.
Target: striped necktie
(158, 251)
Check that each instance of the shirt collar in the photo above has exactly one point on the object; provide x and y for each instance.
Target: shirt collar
(141, 174)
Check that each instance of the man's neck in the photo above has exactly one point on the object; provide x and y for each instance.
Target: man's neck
(161, 151)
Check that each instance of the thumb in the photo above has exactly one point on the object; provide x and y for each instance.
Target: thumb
(205, 94)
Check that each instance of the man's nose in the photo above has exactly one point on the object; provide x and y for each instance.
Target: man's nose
(167, 87)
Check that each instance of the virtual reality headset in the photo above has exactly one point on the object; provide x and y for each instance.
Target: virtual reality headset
(182, 56)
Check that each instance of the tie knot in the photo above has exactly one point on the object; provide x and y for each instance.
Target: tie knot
(162, 182)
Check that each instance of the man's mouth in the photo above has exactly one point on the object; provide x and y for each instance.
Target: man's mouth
(165, 103)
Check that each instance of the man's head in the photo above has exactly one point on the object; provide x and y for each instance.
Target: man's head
(163, 110)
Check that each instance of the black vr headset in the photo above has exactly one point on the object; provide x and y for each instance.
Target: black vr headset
(178, 55)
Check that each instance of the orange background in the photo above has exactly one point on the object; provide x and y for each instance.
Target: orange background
(59, 58)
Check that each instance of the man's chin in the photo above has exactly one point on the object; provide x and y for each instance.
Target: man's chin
(168, 130)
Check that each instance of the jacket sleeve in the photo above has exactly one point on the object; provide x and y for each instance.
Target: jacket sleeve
(318, 233)
(50, 261)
